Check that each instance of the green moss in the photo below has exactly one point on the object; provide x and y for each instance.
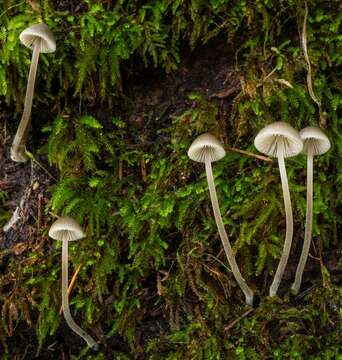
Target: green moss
(152, 254)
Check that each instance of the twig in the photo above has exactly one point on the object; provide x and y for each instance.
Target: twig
(244, 152)
(143, 170)
(11, 7)
(218, 260)
(120, 169)
(284, 82)
(248, 153)
(307, 59)
(218, 275)
(269, 74)
(31, 156)
(71, 285)
(39, 214)
(234, 322)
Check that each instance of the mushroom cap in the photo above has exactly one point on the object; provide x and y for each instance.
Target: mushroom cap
(66, 228)
(206, 145)
(42, 32)
(315, 138)
(270, 137)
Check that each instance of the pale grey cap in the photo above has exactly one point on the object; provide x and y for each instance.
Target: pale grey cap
(66, 228)
(269, 138)
(314, 138)
(206, 145)
(42, 32)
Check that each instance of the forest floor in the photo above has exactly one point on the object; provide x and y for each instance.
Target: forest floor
(24, 221)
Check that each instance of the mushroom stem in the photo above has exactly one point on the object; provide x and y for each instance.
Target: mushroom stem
(65, 300)
(308, 224)
(18, 146)
(289, 222)
(223, 235)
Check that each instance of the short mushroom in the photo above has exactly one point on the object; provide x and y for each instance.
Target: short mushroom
(41, 40)
(281, 140)
(207, 149)
(67, 229)
(315, 143)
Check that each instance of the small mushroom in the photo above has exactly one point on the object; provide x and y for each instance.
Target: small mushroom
(67, 229)
(281, 140)
(41, 40)
(207, 149)
(315, 143)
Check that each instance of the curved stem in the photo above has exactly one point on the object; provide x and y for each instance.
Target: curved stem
(65, 300)
(289, 223)
(18, 146)
(223, 235)
(308, 225)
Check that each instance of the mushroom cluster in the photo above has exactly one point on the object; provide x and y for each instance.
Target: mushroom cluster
(279, 140)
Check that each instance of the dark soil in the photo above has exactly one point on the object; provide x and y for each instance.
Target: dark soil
(26, 186)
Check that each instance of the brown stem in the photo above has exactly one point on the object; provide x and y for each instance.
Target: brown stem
(248, 153)
(71, 285)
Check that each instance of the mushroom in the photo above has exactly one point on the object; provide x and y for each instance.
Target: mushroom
(41, 40)
(281, 140)
(67, 229)
(315, 143)
(207, 149)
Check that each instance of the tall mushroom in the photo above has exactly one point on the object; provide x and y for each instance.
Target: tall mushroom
(41, 40)
(67, 229)
(281, 140)
(207, 149)
(315, 143)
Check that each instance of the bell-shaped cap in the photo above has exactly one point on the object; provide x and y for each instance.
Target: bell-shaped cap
(66, 228)
(206, 146)
(314, 138)
(42, 32)
(276, 135)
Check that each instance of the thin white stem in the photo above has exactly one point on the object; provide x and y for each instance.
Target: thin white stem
(65, 300)
(18, 146)
(223, 235)
(289, 222)
(308, 224)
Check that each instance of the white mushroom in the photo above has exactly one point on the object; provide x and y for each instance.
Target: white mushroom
(41, 40)
(281, 140)
(67, 229)
(315, 143)
(207, 149)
